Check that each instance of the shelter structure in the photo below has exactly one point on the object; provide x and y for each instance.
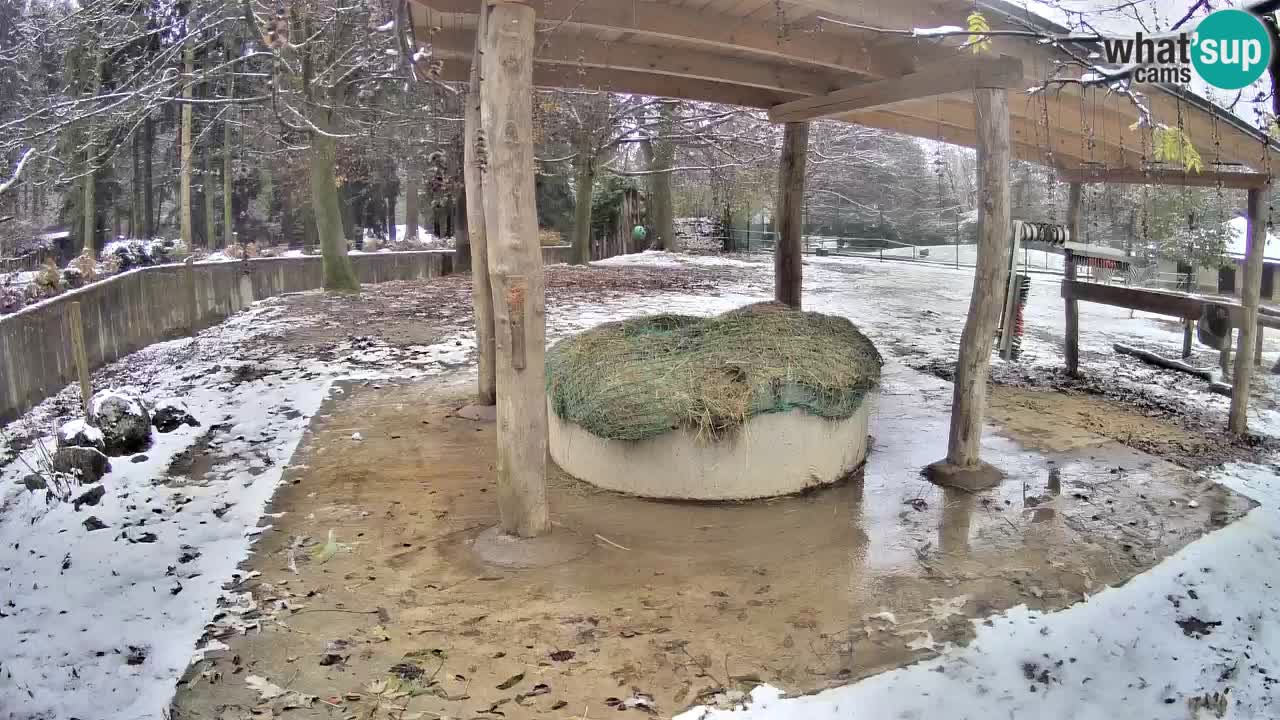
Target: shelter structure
(907, 66)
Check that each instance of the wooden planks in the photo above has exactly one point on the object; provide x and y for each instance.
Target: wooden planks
(1137, 176)
(953, 75)
(1152, 301)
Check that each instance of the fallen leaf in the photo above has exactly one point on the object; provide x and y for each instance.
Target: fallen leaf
(511, 681)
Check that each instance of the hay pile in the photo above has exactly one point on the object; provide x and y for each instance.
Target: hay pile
(641, 378)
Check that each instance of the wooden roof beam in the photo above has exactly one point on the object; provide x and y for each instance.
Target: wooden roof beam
(1107, 148)
(961, 73)
(1138, 176)
(627, 81)
(954, 134)
(736, 35)
(585, 52)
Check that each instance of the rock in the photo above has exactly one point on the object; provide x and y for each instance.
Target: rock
(78, 433)
(34, 482)
(86, 463)
(171, 413)
(123, 420)
(90, 497)
(92, 523)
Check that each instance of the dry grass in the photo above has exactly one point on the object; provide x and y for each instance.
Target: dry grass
(640, 378)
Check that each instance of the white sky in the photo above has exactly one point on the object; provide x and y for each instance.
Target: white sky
(1123, 19)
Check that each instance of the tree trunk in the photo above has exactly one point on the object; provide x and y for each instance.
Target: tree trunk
(135, 202)
(661, 210)
(1249, 294)
(411, 203)
(89, 204)
(788, 269)
(461, 233)
(228, 220)
(583, 183)
(991, 107)
(481, 291)
(339, 275)
(206, 188)
(184, 199)
(89, 186)
(148, 186)
(516, 262)
(391, 213)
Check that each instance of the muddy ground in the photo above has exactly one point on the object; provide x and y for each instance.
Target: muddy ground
(675, 603)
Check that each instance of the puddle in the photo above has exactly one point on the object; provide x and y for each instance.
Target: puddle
(676, 601)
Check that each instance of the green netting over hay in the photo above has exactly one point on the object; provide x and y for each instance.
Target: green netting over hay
(640, 378)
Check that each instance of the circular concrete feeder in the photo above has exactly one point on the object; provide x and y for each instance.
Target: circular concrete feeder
(770, 455)
(757, 402)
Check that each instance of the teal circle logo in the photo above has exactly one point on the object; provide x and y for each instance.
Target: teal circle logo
(1231, 49)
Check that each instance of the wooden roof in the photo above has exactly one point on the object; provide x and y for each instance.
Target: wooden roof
(763, 53)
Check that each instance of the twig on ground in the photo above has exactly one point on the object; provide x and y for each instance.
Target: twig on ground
(607, 541)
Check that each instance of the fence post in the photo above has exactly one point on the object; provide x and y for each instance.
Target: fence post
(81, 358)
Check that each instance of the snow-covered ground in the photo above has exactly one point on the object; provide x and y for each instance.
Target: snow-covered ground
(102, 622)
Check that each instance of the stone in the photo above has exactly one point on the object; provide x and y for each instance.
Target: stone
(78, 433)
(172, 413)
(92, 523)
(34, 482)
(123, 420)
(86, 463)
(982, 476)
(90, 497)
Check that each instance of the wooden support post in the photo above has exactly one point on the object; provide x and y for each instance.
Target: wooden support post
(476, 154)
(1188, 330)
(1257, 348)
(1071, 336)
(81, 358)
(1249, 294)
(963, 466)
(788, 269)
(515, 267)
(189, 292)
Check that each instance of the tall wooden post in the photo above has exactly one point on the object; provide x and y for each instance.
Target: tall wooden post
(515, 266)
(788, 270)
(962, 467)
(1071, 336)
(476, 154)
(1249, 294)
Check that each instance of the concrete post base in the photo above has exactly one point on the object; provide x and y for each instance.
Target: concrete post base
(561, 545)
(982, 476)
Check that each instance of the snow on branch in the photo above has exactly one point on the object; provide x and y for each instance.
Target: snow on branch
(17, 171)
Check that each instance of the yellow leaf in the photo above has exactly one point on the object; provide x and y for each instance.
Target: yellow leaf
(978, 41)
(1172, 145)
(326, 552)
